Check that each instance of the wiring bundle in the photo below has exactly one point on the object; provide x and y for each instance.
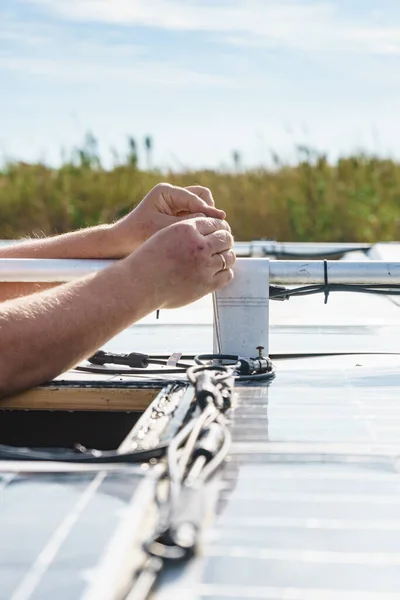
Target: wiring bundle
(134, 363)
(192, 459)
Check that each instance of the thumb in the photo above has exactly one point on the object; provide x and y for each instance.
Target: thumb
(184, 200)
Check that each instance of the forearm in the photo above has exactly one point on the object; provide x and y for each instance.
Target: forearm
(47, 333)
(93, 242)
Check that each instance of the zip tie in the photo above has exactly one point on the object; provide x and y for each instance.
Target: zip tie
(326, 284)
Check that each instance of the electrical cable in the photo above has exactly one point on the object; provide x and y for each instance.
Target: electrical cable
(245, 369)
(215, 462)
(111, 371)
(283, 293)
(81, 454)
(193, 457)
(87, 456)
(257, 369)
(137, 362)
(290, 254)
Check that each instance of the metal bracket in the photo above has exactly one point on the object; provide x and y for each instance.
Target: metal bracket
(241, 310)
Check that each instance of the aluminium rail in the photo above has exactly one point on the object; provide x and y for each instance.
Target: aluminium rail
(287, 272)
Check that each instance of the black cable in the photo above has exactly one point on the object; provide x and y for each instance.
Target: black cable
(279, 292)
(253, 369)
(135, 360)
(217, 460)
(89, 456)
(326, 284)
(288, 254)
(111, 371)
(211, 381)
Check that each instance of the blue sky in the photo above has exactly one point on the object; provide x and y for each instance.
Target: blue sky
(203, 77)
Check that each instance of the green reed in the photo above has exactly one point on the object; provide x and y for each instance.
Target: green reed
(355, 199)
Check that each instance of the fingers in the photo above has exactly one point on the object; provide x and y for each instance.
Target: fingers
(187, 216)
(193, 203)
(219, 241)
(206, 226)
(194, 199)
(203, 193)
(223, 278)
(219, 264)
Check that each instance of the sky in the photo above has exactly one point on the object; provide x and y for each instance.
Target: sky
(202, 77)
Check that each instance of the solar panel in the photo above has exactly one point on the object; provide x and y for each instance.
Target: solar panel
(55, 527)
(309, 505)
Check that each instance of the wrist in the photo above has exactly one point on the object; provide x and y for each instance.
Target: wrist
(108, 241)
(123, 237)
(94, 242)
(146, 275)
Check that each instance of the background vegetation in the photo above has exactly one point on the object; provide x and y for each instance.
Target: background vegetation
(356, 199)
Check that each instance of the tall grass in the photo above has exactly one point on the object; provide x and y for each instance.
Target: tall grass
(355, 199)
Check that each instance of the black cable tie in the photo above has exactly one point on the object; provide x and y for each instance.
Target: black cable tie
(326, 284)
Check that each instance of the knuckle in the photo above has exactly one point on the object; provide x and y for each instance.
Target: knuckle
(227, 226)
(228, 275)
(205, 190)
(163, 186)
(231, 256)
(199, 188)
(185, 229)
(223, 278)
(218, 224)
(221, 224)
(207, 193)
(195, 244)
(225, 237)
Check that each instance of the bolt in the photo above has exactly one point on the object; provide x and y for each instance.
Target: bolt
(260, 351)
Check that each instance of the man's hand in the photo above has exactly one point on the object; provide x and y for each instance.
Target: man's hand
(164, 205)
(183, 262)
(52, 330)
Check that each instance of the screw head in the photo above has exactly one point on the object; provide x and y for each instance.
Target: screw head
(260, 351)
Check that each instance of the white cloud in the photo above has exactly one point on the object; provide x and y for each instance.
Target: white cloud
(302, 25)
(93, 71)
(19, 32)
(251, 16)
(50, 50)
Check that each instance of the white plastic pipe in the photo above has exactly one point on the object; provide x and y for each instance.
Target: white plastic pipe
(280, 271)
(48, 269)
